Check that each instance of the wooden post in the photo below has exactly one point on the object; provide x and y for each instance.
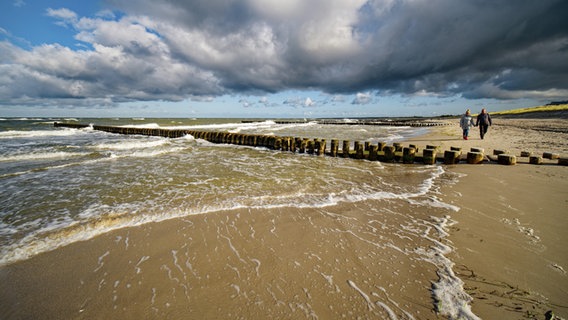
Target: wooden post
(359, 150)
(334, 147)
(498, 152)
(551, 156)
(389, 153)
(345, 151)
(286, 144)
(321, 147)
(429, 156)
(277, 143)
(311, 146)
(367, 144)
(506, 159)
(408, 155)
(373, 152)
(452, 156)
(382, 145)
(397, 146)
(474, 157)
(356, 146)
(535, 160)
(435, 148)
(303, 145)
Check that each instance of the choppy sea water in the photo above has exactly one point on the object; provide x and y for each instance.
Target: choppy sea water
(59, 186)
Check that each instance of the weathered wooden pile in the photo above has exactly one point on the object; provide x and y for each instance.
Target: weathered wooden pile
(358, 150)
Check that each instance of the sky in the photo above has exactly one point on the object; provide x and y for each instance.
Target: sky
(276, 59)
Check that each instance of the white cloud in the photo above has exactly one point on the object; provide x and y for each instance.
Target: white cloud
(67, 16)
(309, 102)
(298, 102)
(106, 14)
(245, 103)
(362, 98)
(19, 3)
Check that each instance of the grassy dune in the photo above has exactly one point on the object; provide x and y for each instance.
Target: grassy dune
(562, 107)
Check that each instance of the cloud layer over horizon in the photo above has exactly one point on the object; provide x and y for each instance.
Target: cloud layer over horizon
(143, 50)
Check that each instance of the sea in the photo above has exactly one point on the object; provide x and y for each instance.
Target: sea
(297, 235)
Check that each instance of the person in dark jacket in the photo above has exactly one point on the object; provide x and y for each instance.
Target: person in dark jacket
(483, 121)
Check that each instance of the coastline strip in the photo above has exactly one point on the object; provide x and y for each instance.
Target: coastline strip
(431, 154)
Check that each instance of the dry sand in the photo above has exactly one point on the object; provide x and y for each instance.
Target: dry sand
(510, 238)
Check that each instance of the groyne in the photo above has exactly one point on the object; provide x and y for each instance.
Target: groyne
(361, 150)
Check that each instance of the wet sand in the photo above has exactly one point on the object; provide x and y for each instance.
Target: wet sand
(510, 238)
(254, 264)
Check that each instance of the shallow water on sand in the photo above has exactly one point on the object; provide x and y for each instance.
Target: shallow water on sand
(243, 232)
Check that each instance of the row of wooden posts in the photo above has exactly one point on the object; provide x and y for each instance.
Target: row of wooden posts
(361, 150)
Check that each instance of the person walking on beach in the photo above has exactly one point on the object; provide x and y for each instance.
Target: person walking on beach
(466, 122)
(483, 121)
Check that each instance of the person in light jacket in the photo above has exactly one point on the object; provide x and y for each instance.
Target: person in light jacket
(466, 122)
(483, 121)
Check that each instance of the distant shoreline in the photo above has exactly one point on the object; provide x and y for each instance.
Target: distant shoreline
(539, 112)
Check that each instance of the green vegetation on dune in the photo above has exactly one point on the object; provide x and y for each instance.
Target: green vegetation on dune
(547, 108)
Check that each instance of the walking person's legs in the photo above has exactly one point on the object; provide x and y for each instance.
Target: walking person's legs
(483, 130)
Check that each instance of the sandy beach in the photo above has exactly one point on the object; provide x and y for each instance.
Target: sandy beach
(509, 240)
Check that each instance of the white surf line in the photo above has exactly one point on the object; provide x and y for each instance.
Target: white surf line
(176, 264)
(387, 245)
(142, 260)
(257, 267)
(410, 317)
(389, 311)
(370, 304)
(363, 294)
(235, 251)
(101, 262)
(452, 299)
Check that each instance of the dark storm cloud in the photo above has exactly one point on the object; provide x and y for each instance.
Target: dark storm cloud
(449, 47)
(172, 50)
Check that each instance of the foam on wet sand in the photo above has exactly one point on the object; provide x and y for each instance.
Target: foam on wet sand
(510, 236)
